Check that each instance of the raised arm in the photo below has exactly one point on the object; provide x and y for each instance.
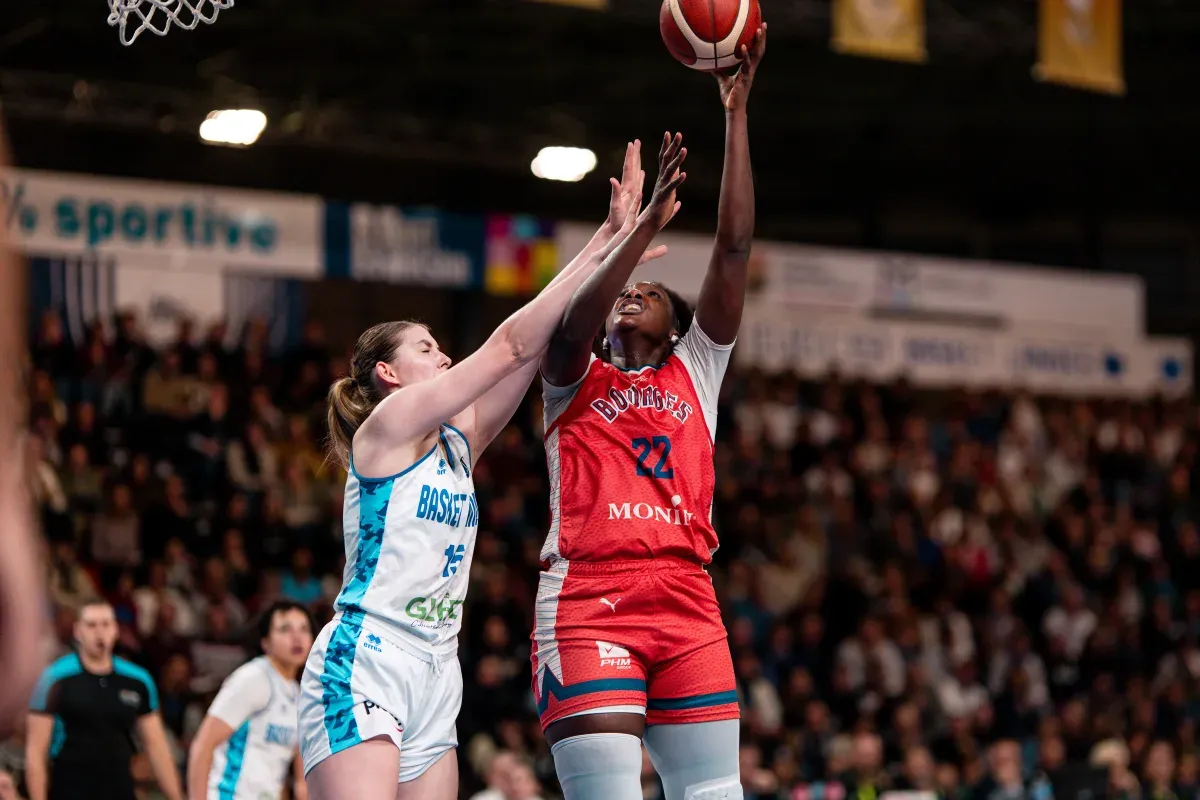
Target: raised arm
(22, 579)
(413, 411)
(495, 408)
(567, 357)
(723, 293)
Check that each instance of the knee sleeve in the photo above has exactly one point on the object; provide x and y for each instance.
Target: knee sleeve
(599, 766)
(698, 761)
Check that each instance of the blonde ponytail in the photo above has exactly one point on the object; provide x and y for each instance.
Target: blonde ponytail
(352, 399)
(348, 409)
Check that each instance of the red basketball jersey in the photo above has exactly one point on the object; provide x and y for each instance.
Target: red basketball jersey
(630, 455)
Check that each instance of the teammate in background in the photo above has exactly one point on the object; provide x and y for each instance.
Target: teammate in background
(382, 687)
(84, 711)
(22, 585)
(246, 746)
(628, 639)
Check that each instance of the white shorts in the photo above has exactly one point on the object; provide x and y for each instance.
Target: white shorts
(363, 681)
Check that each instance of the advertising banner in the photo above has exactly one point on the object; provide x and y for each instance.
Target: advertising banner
(164, 226)
(908, 286)
(418, 246)
(938, 355)
(522, 255)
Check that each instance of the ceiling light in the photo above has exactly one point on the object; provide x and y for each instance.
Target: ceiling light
(563, 163)
(241, 126)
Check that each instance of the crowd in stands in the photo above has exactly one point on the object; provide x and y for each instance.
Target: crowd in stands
(964, 593)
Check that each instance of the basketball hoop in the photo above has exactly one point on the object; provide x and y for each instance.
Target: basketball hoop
(157, 16)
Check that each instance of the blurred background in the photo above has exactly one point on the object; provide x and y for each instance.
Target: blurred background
(957, 454)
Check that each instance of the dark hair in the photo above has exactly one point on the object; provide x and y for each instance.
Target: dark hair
(681, 316)
(353, 398)
(281, 607)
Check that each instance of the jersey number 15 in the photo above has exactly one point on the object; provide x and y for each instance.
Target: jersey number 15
(660, 446)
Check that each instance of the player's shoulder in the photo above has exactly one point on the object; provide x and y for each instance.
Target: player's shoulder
(66, 667)
(695, 340)
(132, 671)
(256, 669)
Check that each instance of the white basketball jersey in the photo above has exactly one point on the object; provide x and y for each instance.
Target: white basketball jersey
(260, 705)
(409, 540)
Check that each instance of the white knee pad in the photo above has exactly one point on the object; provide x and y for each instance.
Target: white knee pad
(727, 788)
(697, 761)
(599, 766)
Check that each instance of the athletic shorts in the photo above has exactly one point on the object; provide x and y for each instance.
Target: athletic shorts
(363, 681)
(635, 636)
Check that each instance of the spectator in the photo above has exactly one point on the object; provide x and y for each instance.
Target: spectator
(299, 583)
(1070, 621)
(117, 534)
(253, 467)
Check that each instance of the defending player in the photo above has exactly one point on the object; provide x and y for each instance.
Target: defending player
(628, 637)
(382, 686)
(246, 746)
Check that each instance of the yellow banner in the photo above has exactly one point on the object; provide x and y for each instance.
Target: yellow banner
(1079, 44)
(893, 29)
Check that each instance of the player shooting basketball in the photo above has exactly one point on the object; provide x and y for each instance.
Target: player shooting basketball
(629, 639)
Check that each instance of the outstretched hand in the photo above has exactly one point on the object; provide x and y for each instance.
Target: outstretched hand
(735, 87)
(633, 178)
(663, 205)
(624, 205)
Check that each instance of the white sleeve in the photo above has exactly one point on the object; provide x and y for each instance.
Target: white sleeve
(706, 362)
(244, 693)
(555, 399)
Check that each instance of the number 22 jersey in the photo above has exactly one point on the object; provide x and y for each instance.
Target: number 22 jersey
(630, 456)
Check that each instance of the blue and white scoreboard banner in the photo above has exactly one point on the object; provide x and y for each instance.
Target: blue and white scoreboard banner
(815, 345)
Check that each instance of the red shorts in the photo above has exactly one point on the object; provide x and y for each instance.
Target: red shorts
(638, 636)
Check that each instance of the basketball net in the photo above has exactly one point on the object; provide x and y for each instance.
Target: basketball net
(157, 16)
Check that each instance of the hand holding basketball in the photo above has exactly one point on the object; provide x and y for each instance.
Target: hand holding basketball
(735, 88)
(708, 35)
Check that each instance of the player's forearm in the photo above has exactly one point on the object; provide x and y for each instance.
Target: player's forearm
(589, 306)
(583, 259)
(163, 767)
(735, 213)
(37, 776)
(199, 765)
(598, 240)
(530, 330)
(495, 408)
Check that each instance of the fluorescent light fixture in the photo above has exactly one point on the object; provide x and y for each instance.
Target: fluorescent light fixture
(563, 163)
(240, 126)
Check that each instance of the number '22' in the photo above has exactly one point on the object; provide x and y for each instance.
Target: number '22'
(644, 447)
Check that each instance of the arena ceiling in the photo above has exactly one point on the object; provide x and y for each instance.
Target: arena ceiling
(447, 102)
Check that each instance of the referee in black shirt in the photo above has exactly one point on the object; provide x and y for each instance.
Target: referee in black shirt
(79, 739)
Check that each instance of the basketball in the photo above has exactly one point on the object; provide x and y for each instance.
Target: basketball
(708, 34)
